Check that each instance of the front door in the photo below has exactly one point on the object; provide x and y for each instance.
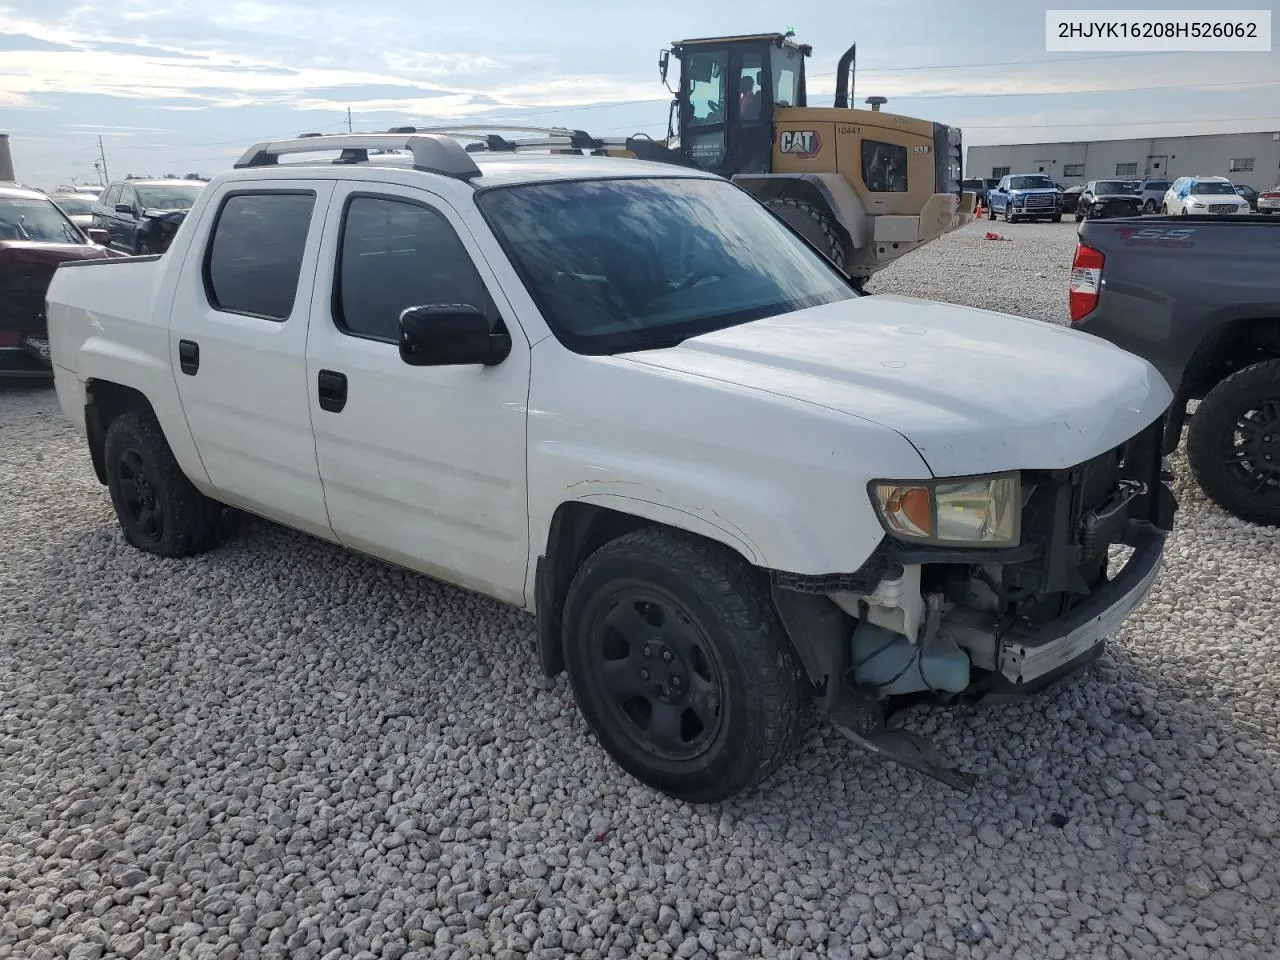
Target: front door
(422, 466)
(238, 334)
(1157, 167)
(704, 109)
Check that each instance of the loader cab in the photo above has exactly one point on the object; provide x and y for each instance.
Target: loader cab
(729, 88)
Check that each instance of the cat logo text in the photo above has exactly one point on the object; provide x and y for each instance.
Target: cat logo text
(799, 143)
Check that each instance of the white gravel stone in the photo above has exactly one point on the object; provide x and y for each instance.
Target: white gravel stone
(283, 750)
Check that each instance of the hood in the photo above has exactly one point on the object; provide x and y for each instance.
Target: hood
(170, 215)
(26, 267)
(973, 391)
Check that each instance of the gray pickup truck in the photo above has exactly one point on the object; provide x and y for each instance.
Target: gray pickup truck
(1200, 299)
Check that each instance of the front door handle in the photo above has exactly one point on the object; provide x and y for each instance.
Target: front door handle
(332, 389)
(189, 356)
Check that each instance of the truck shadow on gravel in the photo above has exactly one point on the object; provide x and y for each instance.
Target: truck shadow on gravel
(277, 664)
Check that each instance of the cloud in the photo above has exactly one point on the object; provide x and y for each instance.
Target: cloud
(22, 41)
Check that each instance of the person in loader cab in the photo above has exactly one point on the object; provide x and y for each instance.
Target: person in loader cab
(748, 99)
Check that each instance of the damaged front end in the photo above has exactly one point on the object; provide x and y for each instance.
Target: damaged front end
(926, 622)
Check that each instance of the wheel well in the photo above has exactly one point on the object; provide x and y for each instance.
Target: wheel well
(577, 531)
(1231, 347)
(774, 188)
(106, 401)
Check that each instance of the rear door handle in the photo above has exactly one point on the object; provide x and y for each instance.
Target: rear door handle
(332, 389)
(189, 356)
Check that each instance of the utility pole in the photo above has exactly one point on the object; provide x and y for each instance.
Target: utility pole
(102, 156)
(348, 120)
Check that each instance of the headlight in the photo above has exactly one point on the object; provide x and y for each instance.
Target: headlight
(1196, 203)
(973, 511)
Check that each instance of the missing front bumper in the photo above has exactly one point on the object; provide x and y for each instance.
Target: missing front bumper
(1031, 656)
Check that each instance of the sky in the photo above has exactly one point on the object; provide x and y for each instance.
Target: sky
(186, 87)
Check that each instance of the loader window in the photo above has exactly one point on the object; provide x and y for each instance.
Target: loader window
(750, 91)
(618, 265)
(706, 87)
(786, 76)
(884, 167)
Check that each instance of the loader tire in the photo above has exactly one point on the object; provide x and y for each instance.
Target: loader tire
(813, 224)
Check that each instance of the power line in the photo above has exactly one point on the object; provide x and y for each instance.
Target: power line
(1017, 63)
(1116, 123)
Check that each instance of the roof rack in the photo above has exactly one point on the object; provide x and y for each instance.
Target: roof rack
(434, 149)
(431, 153)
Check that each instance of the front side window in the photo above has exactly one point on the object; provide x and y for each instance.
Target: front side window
(127, 196)
(35, 218)
(395, 254)
(884, 167)
(786, 76)
(254, 257)
(706, 87)
(108, 199)
(620, 265)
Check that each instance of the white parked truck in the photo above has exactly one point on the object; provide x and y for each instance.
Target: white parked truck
(629, 399)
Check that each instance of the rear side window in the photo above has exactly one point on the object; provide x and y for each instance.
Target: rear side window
(255, 255)
(396, 254)
(884, 167)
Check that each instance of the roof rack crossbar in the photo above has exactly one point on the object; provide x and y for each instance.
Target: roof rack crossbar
(432, 153)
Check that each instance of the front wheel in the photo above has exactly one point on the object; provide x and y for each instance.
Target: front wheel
(812, 223)
(1057, 218)
(680, 666)
(1008, 213)
(1233, 443)
(158, 508)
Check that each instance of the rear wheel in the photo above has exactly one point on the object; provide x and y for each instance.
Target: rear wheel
(812, 223)
(679, 664)
(1149, 207)
(1233, 443)
(158, 508)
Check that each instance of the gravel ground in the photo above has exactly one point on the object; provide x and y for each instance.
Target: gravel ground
(283, 750)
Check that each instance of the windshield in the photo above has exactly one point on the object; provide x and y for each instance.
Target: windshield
(1212, 189)
(1113, 186)
(618, 265)
(1030, 183)
(35, 219)
(169, 196)
(75, 206)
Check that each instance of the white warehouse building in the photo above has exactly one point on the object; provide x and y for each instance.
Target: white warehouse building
(1248, 159)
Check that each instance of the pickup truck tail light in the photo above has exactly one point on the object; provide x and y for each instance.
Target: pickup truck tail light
(1086, 281)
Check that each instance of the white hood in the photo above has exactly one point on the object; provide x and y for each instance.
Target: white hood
(974, 391)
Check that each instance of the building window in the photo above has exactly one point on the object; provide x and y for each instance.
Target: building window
(1073, 170)
(998, 172)
(1126, 169)
(1242, 166)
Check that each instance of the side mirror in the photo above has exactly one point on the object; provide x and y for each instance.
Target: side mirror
(664, 60)
(124, 208)
(450, 335)
(99, 236)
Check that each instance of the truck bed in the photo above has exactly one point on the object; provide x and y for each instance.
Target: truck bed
(1168, 282)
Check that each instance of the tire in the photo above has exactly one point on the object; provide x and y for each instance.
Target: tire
(143, 249)
(1057, 218)
(991, 214)
(1215, 455)
(1149, 207)
(813, 224)
(706, 607)
(1079, 218)
(1008, 213)
(1164, 209)
(168, 516)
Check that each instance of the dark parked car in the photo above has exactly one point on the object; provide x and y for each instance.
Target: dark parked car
(1071, 198)
(1200, 299)
(141, 216)
(980, 186)
(1249, 194)
(1108, 198)
(35, 236)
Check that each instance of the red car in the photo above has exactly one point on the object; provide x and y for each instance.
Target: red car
(35, 236)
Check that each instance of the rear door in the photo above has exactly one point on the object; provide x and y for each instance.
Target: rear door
(422, 466)
(238, 334)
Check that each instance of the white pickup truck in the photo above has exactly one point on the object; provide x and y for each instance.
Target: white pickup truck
(627, 398)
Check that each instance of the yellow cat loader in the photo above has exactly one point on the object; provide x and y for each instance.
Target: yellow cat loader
(864, 186)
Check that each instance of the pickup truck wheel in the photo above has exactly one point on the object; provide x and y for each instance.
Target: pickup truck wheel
(991, 213)
(158, 508)
(1233, 443)
(679, 664)
(1008, 212)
